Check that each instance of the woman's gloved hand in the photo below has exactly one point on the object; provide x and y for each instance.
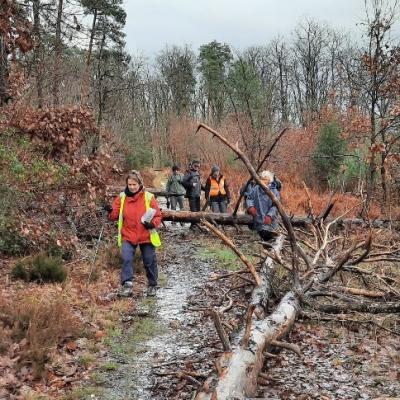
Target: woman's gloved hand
(148, 225)
(107, 208)
(252, 211)
(267, 220)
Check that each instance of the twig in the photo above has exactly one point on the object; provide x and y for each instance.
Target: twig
(310, 205)
(229, 274)
(220, 330)
(96, 251)
(287, 346)
(324, 215)
(228, 306)
(335, 318)
(363, 292)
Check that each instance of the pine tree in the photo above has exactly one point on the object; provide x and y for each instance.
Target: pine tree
(329, 153)
(214, 61)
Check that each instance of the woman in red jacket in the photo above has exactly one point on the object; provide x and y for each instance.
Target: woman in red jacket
(138, 216)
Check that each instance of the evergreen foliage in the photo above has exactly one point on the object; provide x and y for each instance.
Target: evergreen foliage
(329, 153)
(41, 268)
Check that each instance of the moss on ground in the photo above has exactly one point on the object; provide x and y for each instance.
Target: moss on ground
(225, 258)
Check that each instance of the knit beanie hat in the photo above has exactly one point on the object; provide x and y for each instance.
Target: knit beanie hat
(214, 169)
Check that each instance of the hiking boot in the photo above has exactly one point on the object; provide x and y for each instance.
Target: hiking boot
(151, 291)
(126, 289)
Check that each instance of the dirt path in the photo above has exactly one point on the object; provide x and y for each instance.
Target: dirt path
(157, 334)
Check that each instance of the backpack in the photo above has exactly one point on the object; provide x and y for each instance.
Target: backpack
(278, 183)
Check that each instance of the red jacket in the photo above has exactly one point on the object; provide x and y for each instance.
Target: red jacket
(134, 207)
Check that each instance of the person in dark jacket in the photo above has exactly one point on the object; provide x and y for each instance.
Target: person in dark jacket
(192, 183)
(175, 189)
(260, 206)
(217, 191)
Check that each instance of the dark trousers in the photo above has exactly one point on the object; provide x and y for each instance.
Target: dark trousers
(176, 200)
(194, 204)
(220, 206)
(149, 260)
(267, 235)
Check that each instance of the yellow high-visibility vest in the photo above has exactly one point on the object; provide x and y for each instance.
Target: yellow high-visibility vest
(154, 236)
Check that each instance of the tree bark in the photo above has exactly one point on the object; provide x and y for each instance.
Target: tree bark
(38, 52)
(359, 306)
(86, 75)
(239, 378)
(57, 55)
(4, 95)
(243, 364)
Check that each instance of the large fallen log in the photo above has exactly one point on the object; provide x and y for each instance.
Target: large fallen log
(195, 217)
(239, 375)
(245, 219)
(219, 218)
(239, 368)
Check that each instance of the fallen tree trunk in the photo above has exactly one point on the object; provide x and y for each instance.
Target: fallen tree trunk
(219, 218)
(359, 306)
(239, 369)
(245, 219)
(239, 375)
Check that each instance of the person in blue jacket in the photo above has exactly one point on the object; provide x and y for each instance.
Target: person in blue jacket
(260, 207)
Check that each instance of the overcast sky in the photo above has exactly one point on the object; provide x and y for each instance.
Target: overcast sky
(151, 24)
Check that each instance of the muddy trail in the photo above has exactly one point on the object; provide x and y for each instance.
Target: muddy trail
(158, 332)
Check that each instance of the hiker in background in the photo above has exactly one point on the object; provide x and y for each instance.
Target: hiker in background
(138, 216)
(260, 207)
(192, 183)
(217, 191)
(175, 189)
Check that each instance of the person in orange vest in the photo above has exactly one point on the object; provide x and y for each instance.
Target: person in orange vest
(217, 191)
(138, 216)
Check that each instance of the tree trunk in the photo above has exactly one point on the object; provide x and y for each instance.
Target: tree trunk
(57, 55)
(38, 52)
(4, 95)
(195, 217)
(244, 219)
(243, 365)
(86, 74)
(100, 78)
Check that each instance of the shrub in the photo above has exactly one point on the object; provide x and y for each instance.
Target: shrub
(44, 322)
(11, 241)
(353, 171)
(41, 268)
(139, 157)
